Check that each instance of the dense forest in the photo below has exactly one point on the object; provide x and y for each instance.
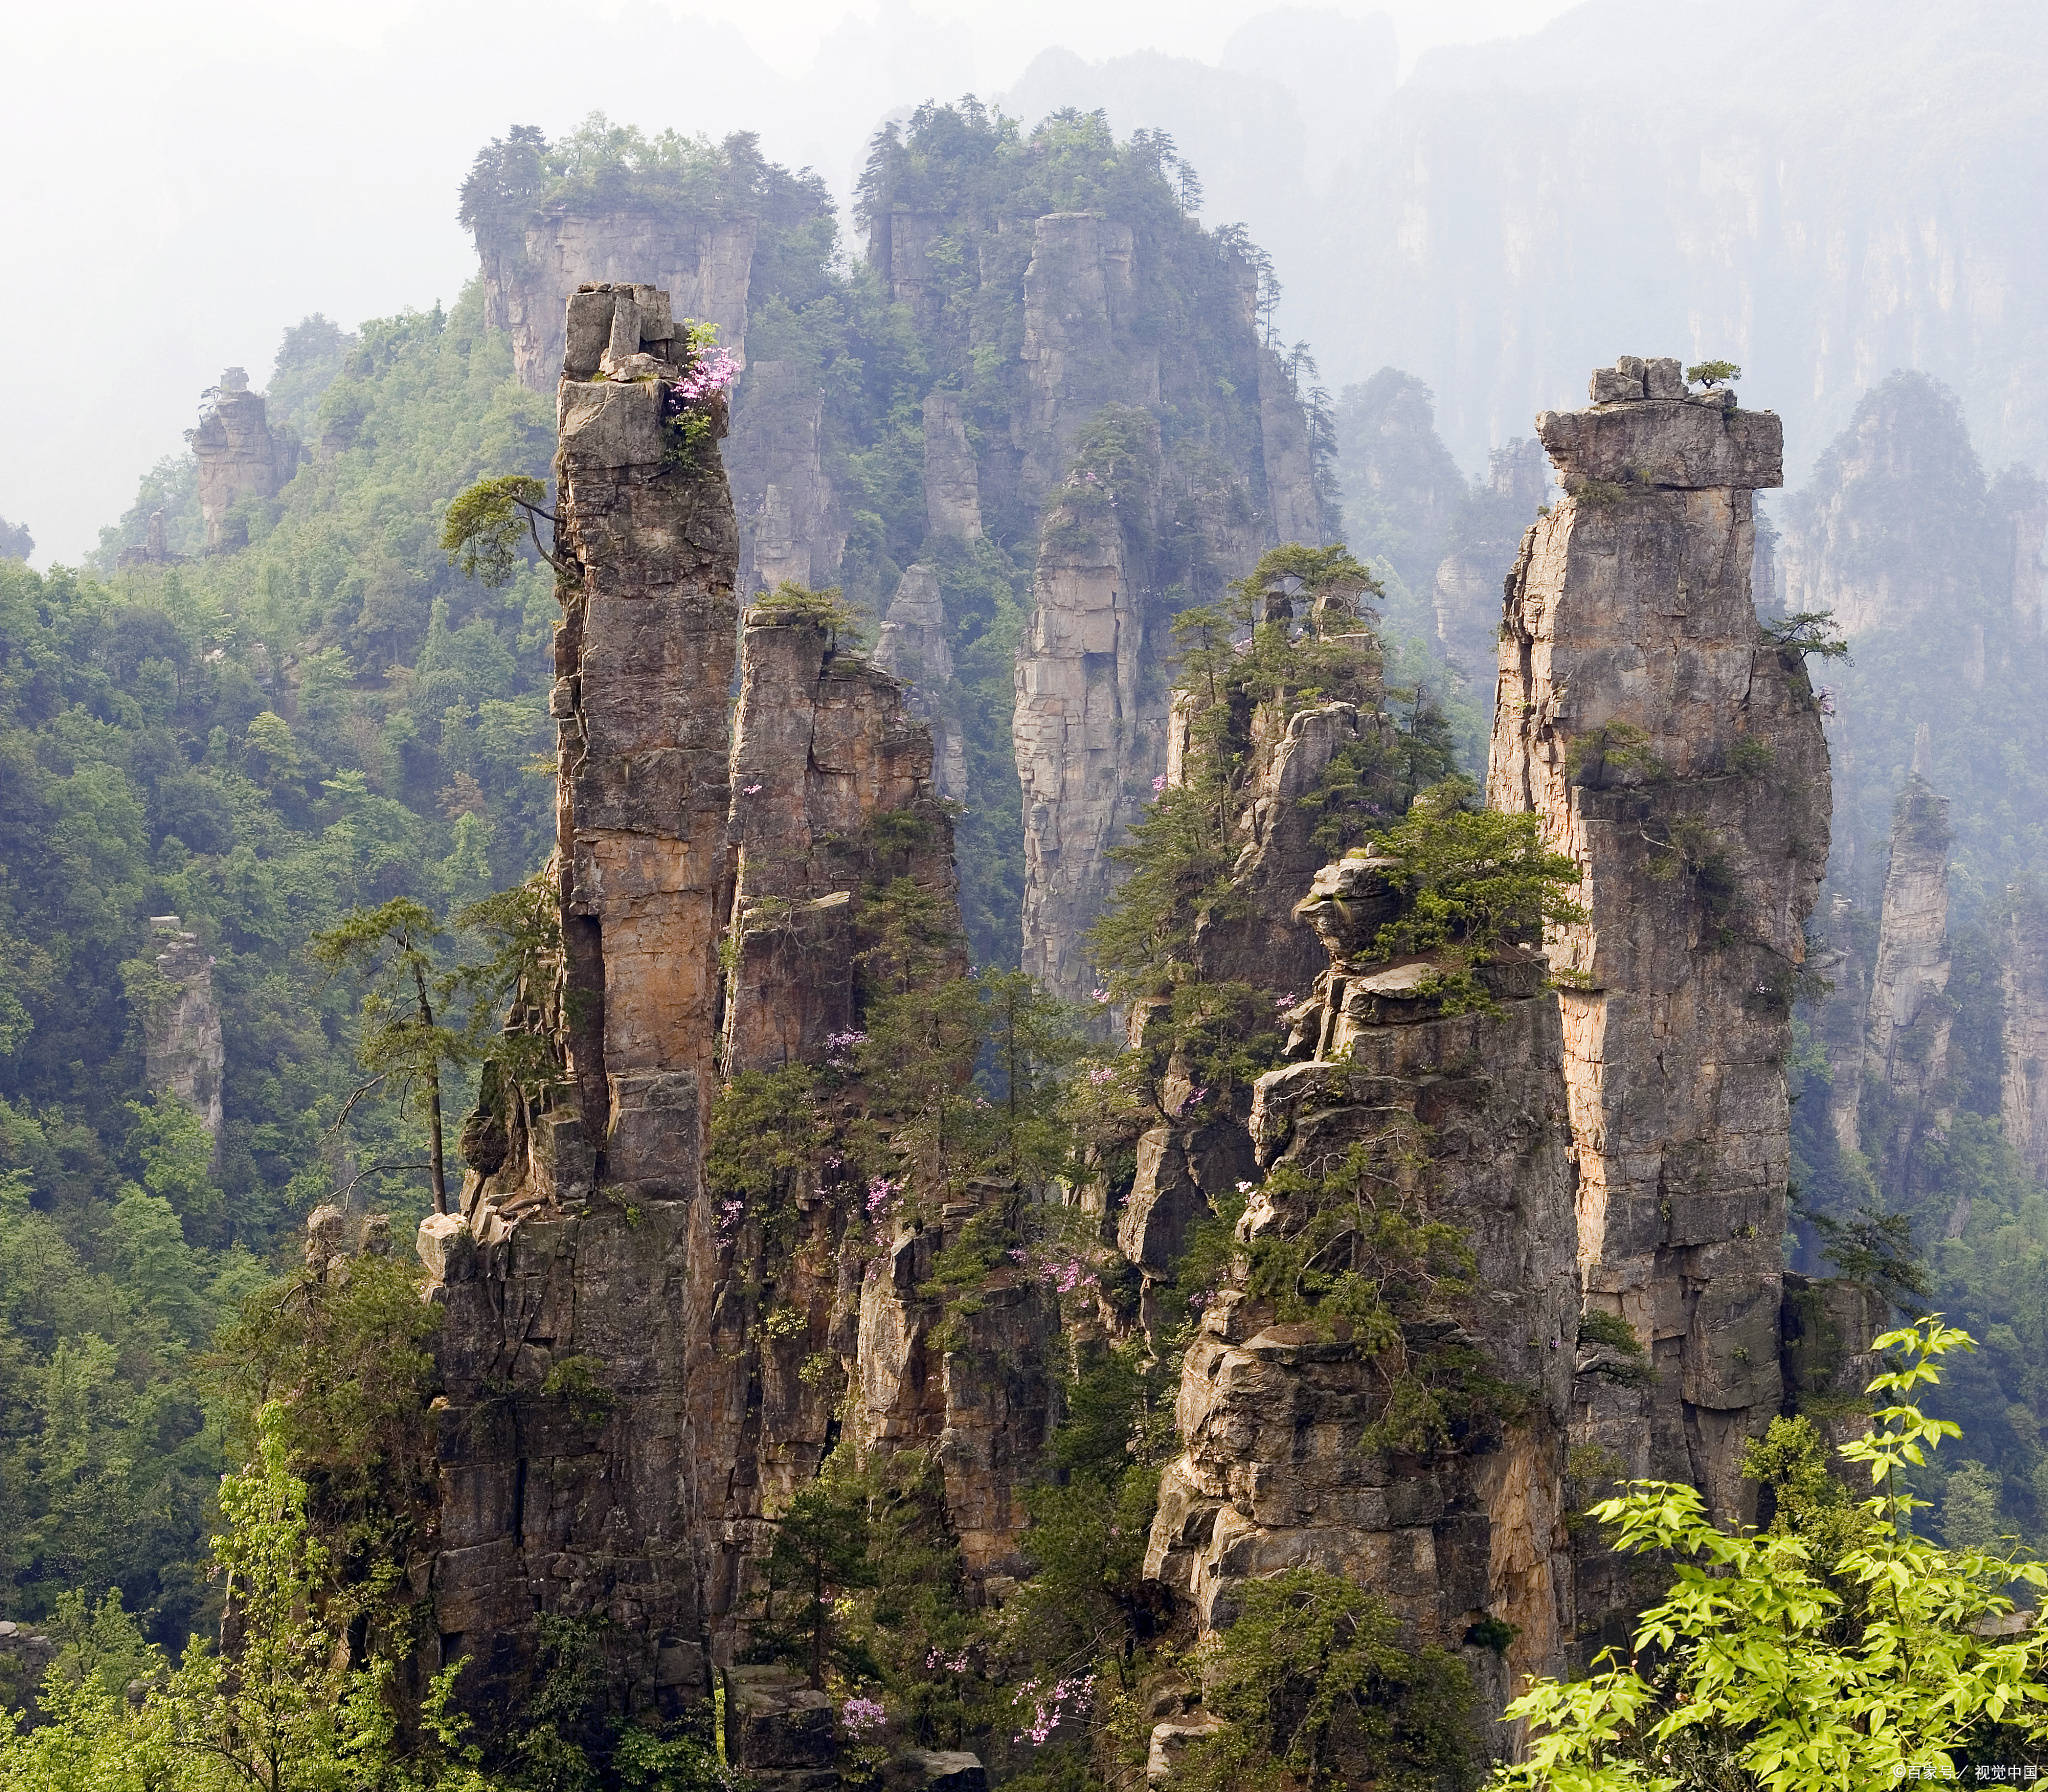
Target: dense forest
(256, 743)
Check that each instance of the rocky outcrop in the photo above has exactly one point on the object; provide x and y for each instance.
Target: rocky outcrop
(240, 456)
(1889, 528)
(1909, 1014)
(974, 1385)
(914, 647)
(1294, 507)
(952, 489)
(2024, 1088)
(183, 1051)
(1090, 712)
(569, 1479)
(1299, 1446)
(824, 745)
(776, 464)
(1676, 755)
(531, 266)
(642, 1365)
(1079, 294)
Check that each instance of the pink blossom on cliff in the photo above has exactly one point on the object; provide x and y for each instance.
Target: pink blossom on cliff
(713, 371)
(861, 1714)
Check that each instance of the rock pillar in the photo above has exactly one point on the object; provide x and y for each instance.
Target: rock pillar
(2024, 1095)
(239, 457)
(914, 646)
(183, 1052)
(824, 746)
(1089, 730)
(1298, 1442)
(1676, 755)
(568, 1470)
(777, 465)
(1907, 1024)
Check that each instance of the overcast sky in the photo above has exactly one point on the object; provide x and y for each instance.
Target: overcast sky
(185, 180)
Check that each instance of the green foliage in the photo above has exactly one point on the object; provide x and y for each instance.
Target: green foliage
(1315, 1690)
(107, 1460)
(1610, 1332)
(1873, 1248)
(1797, 1494)
(1475, 881)
(827, 609)
(481, 530)
(1808, 632)
(404, 1044)
(1712, 373)
(765, 1126)
(1752, 758)
(819, 1554)
(1295, 633)
(1829, 1650)
(260, 742)
(1356, 1252)
(1614, 753)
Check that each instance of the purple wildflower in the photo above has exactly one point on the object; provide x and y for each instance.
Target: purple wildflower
(712, 372)
(861, 1714)
(1159, 784)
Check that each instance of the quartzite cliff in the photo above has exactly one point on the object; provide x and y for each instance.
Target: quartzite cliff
(1676, 755)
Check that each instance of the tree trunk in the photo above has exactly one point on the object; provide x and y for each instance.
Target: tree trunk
(436, 1164)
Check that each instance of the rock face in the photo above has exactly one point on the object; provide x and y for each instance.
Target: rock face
(1296, 510)
(639, 1367)
(239, 457)
(1907, 1030)
(1287, 1459)
(1089, 721)
(2024, 1091)
(1401, 487)
(824, 744)
(183, 1053)
(1677, 758)
(952, 487)
(569, 1481)
(1079, 293)
(776, 464)
(914, 648)
(1841, 958)
(1889, 528)
(978, 1391)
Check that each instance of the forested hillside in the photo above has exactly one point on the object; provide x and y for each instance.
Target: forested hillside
(257, 743)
